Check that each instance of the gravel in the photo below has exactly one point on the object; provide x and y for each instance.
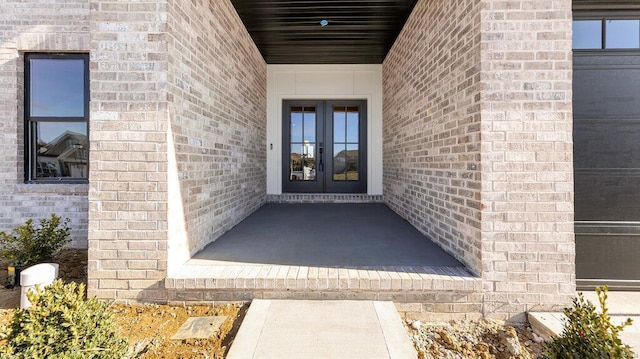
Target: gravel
(483, 339)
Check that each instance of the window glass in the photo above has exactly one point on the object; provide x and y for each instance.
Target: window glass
(353, 163)
(296, 124)
(622, 34)
(310, 124)
(57, 87)
(302, 163)
(352, 124)
(339, 162)
(339, 124)
(56, 120)
(587, 34)
(346, 140)
(62, 150)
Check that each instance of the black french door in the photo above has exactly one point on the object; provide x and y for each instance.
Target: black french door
(324, 146)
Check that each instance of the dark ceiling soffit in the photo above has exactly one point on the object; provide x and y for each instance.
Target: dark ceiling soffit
(289, 31)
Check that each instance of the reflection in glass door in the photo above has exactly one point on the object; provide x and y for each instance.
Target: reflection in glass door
(302, 163)
(325, 143)
(346, 144)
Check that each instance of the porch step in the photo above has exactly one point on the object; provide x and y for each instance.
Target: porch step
(321, 329)
(194, 283)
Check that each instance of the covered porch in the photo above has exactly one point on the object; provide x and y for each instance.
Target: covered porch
(322, 250)
(468, 140)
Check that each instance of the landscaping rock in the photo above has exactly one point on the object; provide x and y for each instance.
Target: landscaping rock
(485, 339)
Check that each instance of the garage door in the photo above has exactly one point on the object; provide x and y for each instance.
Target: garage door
(606, 87)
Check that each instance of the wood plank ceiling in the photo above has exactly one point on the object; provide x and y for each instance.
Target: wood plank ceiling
(357, 31)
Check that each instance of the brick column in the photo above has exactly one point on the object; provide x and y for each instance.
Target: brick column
(527, 156)
(478, 143)
(128, 164)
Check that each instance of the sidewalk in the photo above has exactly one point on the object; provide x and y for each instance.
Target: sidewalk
(288, 329)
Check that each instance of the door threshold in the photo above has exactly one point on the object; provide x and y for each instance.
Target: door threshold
(324, 198)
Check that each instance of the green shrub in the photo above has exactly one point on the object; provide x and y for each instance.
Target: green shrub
(588, 334)
(62, 324)
(28, 244)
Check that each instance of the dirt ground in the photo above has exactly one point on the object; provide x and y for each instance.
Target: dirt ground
(148, 328)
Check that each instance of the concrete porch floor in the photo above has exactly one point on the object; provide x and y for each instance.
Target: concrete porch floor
(325, 235)
(323, 251)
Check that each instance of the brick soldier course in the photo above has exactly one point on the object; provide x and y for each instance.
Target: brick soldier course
(477, 141)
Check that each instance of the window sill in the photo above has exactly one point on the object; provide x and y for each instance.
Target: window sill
(61, 188)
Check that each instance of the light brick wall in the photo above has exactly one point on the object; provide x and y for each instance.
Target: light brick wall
(217, 87)
(35, 26)
(178, 138)
(528, 245)
(478, 143)
(431, 126)
(128, 172)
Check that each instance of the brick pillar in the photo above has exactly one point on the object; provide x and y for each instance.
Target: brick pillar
(527, 156)
(478, 143)
(128, 163)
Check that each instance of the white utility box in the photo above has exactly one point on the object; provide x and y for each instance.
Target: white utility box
(42, 274)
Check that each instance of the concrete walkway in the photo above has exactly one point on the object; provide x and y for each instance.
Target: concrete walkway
(310, 329)
(622, 305)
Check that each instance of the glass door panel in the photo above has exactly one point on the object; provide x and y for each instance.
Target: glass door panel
(346, 135)
(307, 127)
(346, 122)
(302, 164)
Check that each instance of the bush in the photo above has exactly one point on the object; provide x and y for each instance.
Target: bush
(588, 334)
(28, 245)
(61, 324)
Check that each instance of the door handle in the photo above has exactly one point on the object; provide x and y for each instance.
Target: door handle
(320, 163)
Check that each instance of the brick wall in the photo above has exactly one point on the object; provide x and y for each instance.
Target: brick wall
(128, 171)
(178, 138)
(478, 143)
(35, 26)
(528, 245)
(217, 87)
(431, 126)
